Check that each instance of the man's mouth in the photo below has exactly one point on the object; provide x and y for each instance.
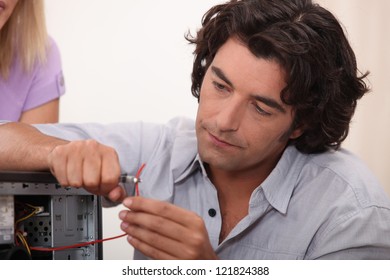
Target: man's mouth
(2, 6)
(221, 142)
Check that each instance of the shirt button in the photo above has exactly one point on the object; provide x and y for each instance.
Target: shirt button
(212, 212)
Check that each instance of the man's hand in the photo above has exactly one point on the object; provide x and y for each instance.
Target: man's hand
(161, 230)
(87, 164)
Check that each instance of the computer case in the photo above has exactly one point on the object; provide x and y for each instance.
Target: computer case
(40, 219)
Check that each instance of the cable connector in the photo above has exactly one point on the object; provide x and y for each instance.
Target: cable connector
(129, 179)
(39, 209)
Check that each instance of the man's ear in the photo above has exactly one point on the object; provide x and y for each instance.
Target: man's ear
(297, 132)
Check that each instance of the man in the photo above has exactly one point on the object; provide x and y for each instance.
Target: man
(260, 174)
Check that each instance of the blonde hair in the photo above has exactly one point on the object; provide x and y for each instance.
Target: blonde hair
(24, 36)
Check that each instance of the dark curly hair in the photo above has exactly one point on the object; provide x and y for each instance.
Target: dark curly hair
(323, 82)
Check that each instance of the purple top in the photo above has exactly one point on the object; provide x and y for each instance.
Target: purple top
(24, 91)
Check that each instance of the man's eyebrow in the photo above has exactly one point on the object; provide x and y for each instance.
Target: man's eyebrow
(217, 71)
(270, 102)
(266, 100)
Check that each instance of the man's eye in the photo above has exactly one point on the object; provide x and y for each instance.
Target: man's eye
(261, 111)
(219, 87)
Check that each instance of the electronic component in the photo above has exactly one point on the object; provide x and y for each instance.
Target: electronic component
(36, 210)
(6, 219)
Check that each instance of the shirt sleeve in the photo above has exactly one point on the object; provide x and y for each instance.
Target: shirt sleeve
(48, 82)
(136, 143)
(361, 235)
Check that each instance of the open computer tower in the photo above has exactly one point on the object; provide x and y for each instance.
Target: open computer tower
(39, 219)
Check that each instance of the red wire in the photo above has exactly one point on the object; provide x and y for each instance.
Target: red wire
(137, 176)
(51, 249)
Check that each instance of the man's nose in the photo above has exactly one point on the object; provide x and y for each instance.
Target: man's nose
(231, 114)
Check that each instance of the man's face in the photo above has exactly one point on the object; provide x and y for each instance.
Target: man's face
(242, 124)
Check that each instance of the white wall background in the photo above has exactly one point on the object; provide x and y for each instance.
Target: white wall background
(127, 60)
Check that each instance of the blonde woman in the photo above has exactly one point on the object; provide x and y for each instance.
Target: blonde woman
(31, 80)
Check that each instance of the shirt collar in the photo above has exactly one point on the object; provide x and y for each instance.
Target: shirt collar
(194, 166)
(278, 187)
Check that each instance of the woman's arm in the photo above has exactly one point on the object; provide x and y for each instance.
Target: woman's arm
(46, 113)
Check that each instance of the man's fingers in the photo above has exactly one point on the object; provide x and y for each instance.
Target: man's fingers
(154, 239)
(87, 164)
(91, 172)
(117, 194)
(163, 226)
(158, 227)
(149, 250)
(110, 170)
(74, 172)
(163, 209)
(162, 235)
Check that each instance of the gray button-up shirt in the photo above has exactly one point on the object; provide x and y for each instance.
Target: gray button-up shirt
(319, 206)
